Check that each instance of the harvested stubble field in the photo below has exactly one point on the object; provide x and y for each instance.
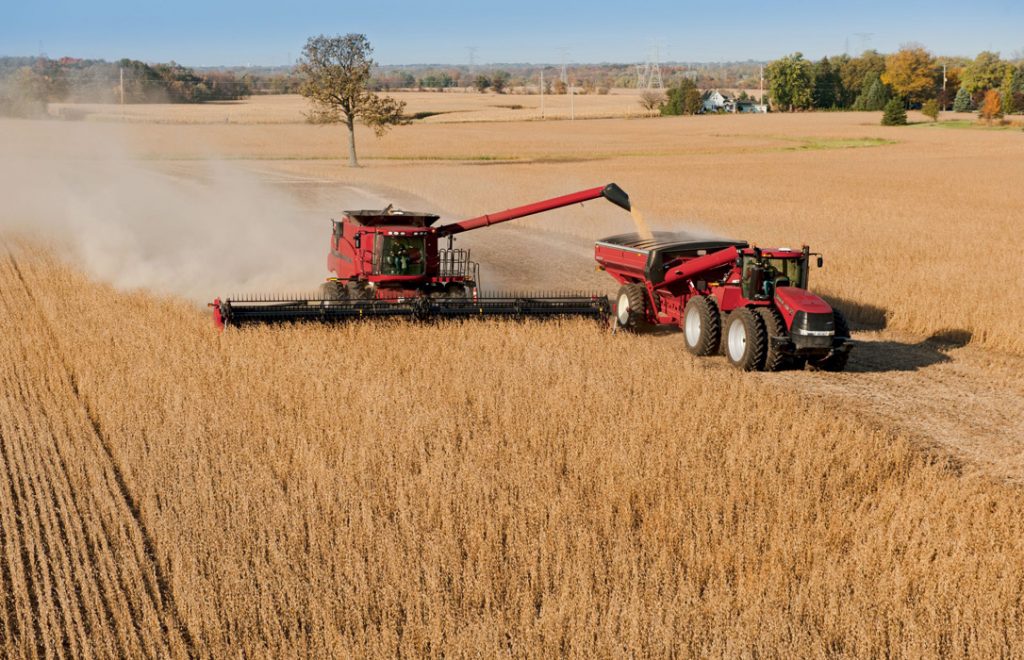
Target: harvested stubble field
(529, 489)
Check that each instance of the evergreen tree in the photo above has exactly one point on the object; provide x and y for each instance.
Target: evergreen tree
(827, 92)
(895, 114)
(873, 97)
(1008, 101)
(963, 102)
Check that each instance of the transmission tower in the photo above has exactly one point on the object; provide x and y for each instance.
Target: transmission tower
(648, 76)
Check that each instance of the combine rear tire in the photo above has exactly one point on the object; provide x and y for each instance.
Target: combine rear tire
(774, 326)
(630, 308)
(745, 339)
(702, 325)
(836, 361)
(332, 290)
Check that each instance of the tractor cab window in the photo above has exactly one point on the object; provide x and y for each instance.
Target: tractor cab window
(761, 277)
(401, 255)
(786, 272)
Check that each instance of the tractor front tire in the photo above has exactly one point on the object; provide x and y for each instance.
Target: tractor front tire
(332, 290)
(774, 359)
(631, 308)
(745, 339)
(835, 361)
(702, 326)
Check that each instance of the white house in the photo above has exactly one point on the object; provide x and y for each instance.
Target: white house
(715, 101)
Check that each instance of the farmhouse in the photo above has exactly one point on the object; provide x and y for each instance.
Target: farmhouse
(715, 101)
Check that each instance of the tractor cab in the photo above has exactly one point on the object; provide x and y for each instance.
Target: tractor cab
(763, 271)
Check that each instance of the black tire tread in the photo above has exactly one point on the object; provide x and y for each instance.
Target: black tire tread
(637, 296)
(774, 359)
(710, 323)
(757, 339)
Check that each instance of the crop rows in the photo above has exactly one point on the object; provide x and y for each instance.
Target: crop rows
(477, 488)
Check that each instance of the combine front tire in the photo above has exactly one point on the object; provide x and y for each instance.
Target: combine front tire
(702, 325)
(774, 326)
(745, 339)
(332, 290)
(836, 361)
(630, 307)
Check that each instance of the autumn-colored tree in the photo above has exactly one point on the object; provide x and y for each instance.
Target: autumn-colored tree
(930, 109)
(991, 108)
(910, 72)
(337, 75)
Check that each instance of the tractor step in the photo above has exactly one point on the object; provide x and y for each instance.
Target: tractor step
(248, 310)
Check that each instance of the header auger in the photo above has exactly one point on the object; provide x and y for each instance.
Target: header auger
(388, 263)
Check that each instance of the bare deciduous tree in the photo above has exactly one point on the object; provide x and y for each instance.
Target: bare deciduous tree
(651, 100)
(337, 72)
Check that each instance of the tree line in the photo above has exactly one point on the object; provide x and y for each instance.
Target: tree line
(912, 76)
(28, 84)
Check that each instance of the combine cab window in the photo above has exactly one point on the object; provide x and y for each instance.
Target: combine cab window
(401, 255)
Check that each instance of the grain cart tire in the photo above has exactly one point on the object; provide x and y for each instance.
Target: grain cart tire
(630, 308)
(702, 326)
(745, 339)
(836, 361)
(774, 326)
(332, 290)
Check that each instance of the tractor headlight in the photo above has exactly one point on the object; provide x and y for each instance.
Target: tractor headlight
(813, 325)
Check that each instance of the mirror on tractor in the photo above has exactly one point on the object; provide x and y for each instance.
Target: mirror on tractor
(821, 261)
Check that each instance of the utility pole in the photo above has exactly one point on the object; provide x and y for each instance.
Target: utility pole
(542, 93)
(121, 73)
(944, 98)
(572, 105)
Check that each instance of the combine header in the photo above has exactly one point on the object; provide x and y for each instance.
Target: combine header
(748, 302)
(388, 263)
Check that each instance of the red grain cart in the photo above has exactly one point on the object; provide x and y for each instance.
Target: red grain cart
(748, 302)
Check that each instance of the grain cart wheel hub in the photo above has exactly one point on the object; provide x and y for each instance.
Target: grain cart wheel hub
(622, 309)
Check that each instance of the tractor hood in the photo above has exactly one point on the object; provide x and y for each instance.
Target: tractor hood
(793, 300)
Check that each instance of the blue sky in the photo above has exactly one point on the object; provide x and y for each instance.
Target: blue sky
(199, 33)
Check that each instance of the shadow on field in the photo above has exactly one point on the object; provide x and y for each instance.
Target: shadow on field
(884, 356)
(860, 315)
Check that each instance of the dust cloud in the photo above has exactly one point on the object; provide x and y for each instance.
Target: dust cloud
(197, 229)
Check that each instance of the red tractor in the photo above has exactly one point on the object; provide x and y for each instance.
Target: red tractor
(748, 302)
(388, 263)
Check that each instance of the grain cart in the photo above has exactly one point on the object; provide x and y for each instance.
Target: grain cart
(748, 302)
(388, 263)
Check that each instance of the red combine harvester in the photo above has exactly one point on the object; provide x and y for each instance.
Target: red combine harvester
(387, 263)
(748, 302)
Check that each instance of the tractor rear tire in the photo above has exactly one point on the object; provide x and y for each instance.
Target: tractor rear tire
(745, 339)
(332, 290)
(631, 308)
(702, 326)
(774, 359)
(836, 361)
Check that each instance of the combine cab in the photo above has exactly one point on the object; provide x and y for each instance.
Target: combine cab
(748, 302)
(390, 263)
